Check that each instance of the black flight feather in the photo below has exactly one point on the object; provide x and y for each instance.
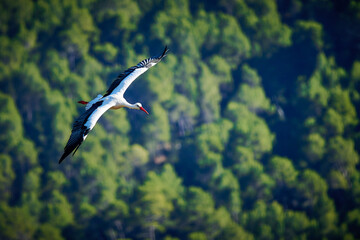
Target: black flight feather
(144, 63)
(78, 132)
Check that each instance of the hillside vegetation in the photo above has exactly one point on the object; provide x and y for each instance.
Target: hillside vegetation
(253, 130)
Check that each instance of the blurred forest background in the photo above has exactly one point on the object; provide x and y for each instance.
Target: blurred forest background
(253, 130)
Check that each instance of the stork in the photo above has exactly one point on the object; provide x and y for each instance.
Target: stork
(112, 99)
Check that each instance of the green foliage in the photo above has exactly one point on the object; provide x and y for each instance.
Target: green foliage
(314, 148)
(249, 130)
(10, 124)
(158, 196)
(107, 51)
(353, 220)
(314, 90)
(57, 210)
(160, 84)
(268, 31)
(197, 236)
(341, 154)
(220, 67)
(210, 141)
(333, 122)
(137, 155)
(309, 32)
(253, 97)
(7, 177)
(341, 102)
(231, 42)
(282, 170)
(250, 76)
(313, 187)
(125, 14)
(297, 225)
(156, 128)
(16, 223)
(47, 231)
(209, 95)
(252, 132)
(337, 180)
(200, 209)
(257, 223)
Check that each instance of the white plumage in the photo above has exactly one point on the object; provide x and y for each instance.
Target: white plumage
(89, 104)
(113, 98)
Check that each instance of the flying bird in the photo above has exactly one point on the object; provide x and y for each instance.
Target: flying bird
(112, 99)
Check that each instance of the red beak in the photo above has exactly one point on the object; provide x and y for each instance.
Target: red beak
(83, 102)
(143, 109)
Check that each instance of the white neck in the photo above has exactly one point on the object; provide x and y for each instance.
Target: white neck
(129, 105)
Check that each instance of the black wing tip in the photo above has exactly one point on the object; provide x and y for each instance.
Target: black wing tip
(76, 149)
(67, 153)
(62, 158)
(73, 144)
(166, 50)
(164, 53)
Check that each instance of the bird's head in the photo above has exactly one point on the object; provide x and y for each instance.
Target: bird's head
(140, 107)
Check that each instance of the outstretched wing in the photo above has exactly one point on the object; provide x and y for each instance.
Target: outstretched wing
(123, 81)
(83, 125)
(89, 104)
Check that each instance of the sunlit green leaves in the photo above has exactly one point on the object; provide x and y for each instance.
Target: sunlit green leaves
(250, 130)
(125, 14)
(48, 231)
(11, 125)
(340, 100)
(209, 95)
(282, 170)
(309, 32)
(240, 170)
(210, 142)
(268, 32)
(57, 210)
(7, 177)
(227, 39)
(313, 187)
(314, 147)
(106, 51)
(16, 218)
(159, 194)
(333, 122)
(341, 154)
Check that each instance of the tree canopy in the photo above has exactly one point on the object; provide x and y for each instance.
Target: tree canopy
(253, 131)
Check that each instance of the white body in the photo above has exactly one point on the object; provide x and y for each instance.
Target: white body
(88, 106)
(114, 98)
